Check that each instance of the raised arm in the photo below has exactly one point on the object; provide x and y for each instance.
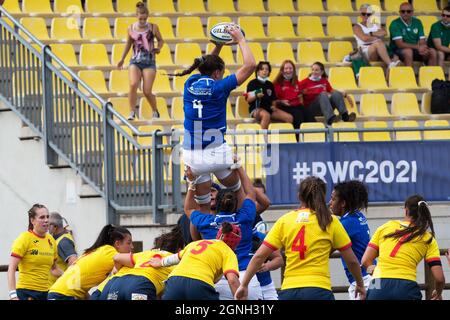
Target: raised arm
(249, 65)
(262, 200)
(247, 186)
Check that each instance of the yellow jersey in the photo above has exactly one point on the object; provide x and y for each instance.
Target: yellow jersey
(88, 271)
(399, 260)
(307, 248)
(206, 260)
(37, 255)
(59, 261)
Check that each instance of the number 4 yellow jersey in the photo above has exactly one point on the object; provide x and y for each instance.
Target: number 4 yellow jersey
(307, 248)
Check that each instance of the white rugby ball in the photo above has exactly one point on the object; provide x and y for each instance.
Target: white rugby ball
(219, 33)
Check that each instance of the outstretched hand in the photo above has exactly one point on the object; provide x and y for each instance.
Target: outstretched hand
(235, 33)
(155, 262)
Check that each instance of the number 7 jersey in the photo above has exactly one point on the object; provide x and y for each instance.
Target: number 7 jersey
(307, 248)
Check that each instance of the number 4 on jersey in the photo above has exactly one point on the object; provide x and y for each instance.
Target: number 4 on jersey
(299, 243)
(197, 104)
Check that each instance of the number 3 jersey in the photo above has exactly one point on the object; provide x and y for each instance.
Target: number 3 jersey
(205, 116)
(307, 248)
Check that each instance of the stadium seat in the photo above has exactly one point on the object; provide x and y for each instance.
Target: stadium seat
(402, 78)
(310, 52)
(374, 105)
(94, 55)
(121, 105)
(280, 6)
(221, 6)
(250, 6)
(375, 3)
(147, 141)
(310, 27)
(147, 112)
(256, 49)
(65, 29)
(372, 78)
(425, 105)
(406, 135)
(428, 74)
(164, 58)
(191, 6)
(342, 78)
(312, 137)
(36, 26)
(280, 27)
(226, 53)
(116, 55)
(339, 6)
(96, 29)
(162, 83)
(190, 28)
(253, 28)
(66, 53)
(176, 110)
(405, 104)
(427, 21)
(350, 108)
(185, 53)
(392, 5)
(213, 20)
(36, 6)
(425, 6)
(86, 138)
(389, 20)
(164, 25)
(252, 138)
(337, 50)
(12, 6)
(345, 136)
(230, 114)
(339, 27)
(67, 6)
(310, 6)
(178, 82)
(281, 137)
(95, 79)
(126, 6)
(119, 82)
(242, 108)
(121, 26)
(436, 134)
(161, 6)
(378, 135)
(99, 6)
(277, 52)
(303, 73)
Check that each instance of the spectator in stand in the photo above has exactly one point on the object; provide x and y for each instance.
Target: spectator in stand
(320, 98)
(261, 98)
(408, 38)
(439, 37)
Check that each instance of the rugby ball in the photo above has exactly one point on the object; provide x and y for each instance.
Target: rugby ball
(219, 33)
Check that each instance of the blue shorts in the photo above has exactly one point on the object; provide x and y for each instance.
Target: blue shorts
(183, 288)
(307, 293)
(95, 295)
(59, 296)
(393, 289)
(26, 294)
(131, 287)
(104, 293)
(143, 65)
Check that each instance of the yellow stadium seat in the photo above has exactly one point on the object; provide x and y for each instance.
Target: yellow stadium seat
(374, 3)
(427, 21)
(284, 6)
(162, 83)
(94, 55)
(176, 109)
(279, 27)
(230, 114)
(425, 6)
(213, 20)
(378, 135)
(147, 141)
(252, 162)
(164, 26)
(121, 26)
(345, 136)
(350, 108)
(146, 110)
(116, 55)
(374, 105)
(310, 52)
(95, 79)
(402, 78)
(12, 6)
(161, 6)
(66, 53)
(36, 26)
(392, 5)
(303, 73)
(65, 29)
(339, 27)
(342, 78)
(121, 105)
(250, 6)
(86, 138)
(164, 57)
(372, 78)
(428, 74)
(389, 20)
(309, 27)
(119, 82)
(225, 53)
(310, 6)
(339, 6)
(36, 6)
(242, 108)
(99, 6)
(436, 134)
(178, 82)
(191, 6)
(126, 6)
(189, 28)
(281, 137)
(312, 137)
(425, 105)
(221, 6)
(96, 29)
(406, 135)
(253, 27)
(277, 52)
(185, 53)
(252, 137)
(405, 104)
(274, 73)
(68, 6)
(337, 50)
(256, 49)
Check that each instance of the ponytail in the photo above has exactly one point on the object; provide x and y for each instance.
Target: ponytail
(172, 241)
(206, 65)
(312, 193)
(108, 236)
(226, 201)
(226, 227)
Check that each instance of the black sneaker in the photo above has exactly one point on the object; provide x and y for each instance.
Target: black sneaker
(332, 120)
(351, 117)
